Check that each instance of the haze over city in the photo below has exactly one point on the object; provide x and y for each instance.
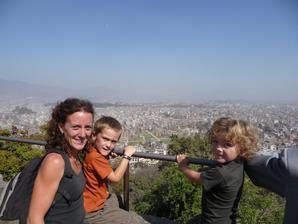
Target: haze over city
(153, 51)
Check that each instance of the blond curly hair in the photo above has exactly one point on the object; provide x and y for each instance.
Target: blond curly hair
(239, 132)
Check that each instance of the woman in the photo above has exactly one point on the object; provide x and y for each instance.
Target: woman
(68, 130)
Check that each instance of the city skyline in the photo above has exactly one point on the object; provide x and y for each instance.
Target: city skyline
(154, 51)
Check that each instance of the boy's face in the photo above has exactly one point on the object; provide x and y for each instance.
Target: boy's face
(224, 151)
(106, 140)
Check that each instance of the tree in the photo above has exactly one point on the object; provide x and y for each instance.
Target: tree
(193, 146)
(171, 196)
(258, 205)
(14, 156)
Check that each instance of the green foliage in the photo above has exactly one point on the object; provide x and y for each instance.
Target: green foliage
(258, 205)
(171, 196)
(11, 161)
(9, 164)
(140, 182)
(14, 156)
(5, 132)
(193, 146)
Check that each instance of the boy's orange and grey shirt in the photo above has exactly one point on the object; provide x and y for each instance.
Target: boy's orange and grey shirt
(96, 168)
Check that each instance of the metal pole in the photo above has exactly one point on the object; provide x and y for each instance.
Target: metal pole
(126, 189)
(118, 151)
(22, 140)
(192, 160)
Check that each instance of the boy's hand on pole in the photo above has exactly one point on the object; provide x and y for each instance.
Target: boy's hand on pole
(129, 150)
(182, 161)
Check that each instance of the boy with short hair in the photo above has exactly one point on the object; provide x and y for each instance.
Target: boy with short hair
(231, 142)
(100, 205)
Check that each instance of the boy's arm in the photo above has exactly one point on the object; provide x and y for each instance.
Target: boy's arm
(192, 175)
(115, 176)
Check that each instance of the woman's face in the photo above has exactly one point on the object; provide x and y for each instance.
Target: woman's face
(77, 129)
(224, 151)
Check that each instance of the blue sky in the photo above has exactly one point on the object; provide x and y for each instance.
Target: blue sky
(149, 50)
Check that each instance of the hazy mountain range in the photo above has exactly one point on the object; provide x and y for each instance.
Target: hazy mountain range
(121, 93)
(18, 90)
(115, 93)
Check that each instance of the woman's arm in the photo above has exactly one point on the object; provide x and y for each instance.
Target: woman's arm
(45, 187)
